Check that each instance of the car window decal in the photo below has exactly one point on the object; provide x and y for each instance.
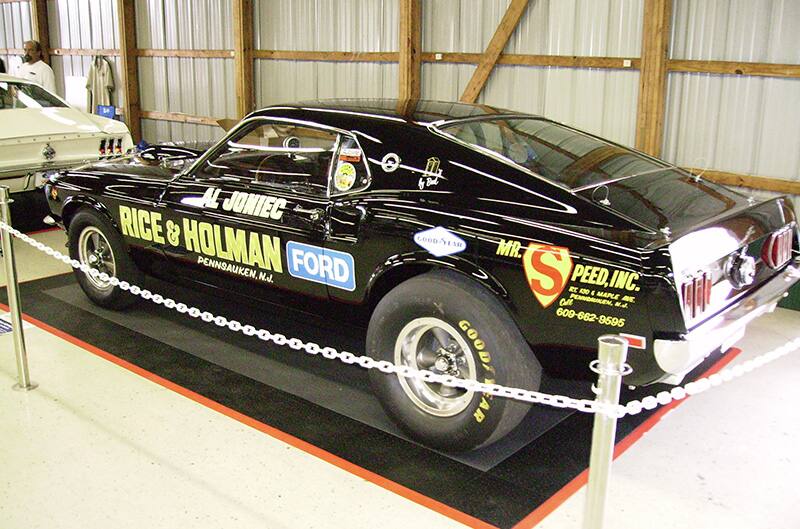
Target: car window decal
(345, 176)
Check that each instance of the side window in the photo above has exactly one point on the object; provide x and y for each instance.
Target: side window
(276, 153)
(350, 172)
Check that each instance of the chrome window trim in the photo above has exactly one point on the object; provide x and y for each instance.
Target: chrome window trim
(192, 170)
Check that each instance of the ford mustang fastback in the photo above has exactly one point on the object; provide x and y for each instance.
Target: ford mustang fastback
(41, 134)
(487, 244)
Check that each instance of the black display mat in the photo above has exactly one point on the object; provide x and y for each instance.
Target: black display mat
(301, 394)
(339, 388)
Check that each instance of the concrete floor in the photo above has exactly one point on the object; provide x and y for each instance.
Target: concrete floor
(97, 445)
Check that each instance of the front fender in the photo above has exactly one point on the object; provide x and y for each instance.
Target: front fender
(75, 202)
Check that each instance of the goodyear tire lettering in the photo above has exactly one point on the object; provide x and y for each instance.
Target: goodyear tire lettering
(486, 362)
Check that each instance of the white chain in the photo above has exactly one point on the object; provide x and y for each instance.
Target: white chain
(558, 401)
(535, 397)
(703, 384)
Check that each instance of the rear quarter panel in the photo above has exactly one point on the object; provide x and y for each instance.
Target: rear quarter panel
(564, 283)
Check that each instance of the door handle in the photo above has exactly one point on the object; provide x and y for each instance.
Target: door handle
(313, 214)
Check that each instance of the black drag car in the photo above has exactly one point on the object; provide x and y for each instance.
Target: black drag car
(486, 244)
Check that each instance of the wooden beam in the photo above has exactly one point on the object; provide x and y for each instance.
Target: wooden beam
(410, 52)
(91, 52)
(243, 56)
(126, 10)
(11, 51)
(759, 69)
(496, 46)
(147, 52)
(39, 29)
(564, 61)
(194, 54)
(327, 56)
(179, 117)
(653, 77)
(762, 183)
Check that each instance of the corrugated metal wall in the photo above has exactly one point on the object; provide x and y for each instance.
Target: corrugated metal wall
(595, 100)
(738, 124)
(197, 86)
(15, 28)
(81, 24)
(325, 25)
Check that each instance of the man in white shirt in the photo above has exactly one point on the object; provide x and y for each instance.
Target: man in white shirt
(33, 68)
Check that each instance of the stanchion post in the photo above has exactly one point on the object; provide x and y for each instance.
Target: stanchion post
(610, 367)
(12, 286)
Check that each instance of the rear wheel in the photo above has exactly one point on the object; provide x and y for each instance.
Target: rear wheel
(450, 325)
(94, 241)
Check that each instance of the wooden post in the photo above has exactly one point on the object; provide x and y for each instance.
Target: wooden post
(39, 28)
(126, 10)
(653, 76)
(410, 53)
(243, 56)
(496, 46)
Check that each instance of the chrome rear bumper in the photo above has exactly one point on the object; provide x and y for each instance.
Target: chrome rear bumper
(677, 357)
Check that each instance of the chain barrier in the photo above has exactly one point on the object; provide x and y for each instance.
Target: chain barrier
(558, 401)
(700, 385)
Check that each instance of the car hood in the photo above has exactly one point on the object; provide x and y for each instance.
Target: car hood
(33, 122)
(127, 169)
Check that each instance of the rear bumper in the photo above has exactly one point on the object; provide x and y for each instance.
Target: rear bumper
(677, 357)
(32, 178)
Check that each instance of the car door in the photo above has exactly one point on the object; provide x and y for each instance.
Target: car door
(253, 211)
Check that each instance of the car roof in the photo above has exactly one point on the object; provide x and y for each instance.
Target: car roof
(420, 112)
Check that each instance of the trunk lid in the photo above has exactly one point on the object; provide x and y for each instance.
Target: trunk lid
(668, 200)
(47, 122)
(714, 235)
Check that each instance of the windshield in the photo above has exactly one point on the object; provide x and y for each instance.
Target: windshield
(554, 151)
(25, 95)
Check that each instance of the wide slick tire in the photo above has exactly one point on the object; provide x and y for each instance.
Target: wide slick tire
(449, 324)
(94, 241)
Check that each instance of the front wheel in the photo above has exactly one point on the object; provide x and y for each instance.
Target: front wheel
(94, 241)
(450, 325)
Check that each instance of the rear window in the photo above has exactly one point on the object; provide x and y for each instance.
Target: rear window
(24, 95)
(556, 152)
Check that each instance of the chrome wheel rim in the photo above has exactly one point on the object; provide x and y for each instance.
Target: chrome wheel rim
(95, 251)
(435, 345)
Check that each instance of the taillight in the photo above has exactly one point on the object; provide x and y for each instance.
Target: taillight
(103, 147)
(118, 148)
(697, 295)
(777, 249)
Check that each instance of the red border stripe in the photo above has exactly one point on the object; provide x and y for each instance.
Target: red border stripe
(43, 230)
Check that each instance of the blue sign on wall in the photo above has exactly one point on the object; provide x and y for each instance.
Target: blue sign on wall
(107, 111)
